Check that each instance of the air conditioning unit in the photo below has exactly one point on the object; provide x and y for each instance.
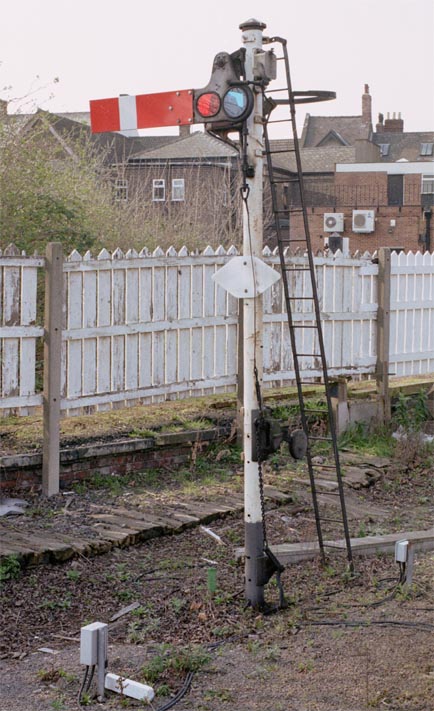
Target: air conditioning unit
(333, 222)
(363, 220)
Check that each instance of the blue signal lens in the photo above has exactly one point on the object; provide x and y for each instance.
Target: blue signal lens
(235, 102)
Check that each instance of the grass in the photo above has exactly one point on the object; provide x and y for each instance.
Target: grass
(25, 434)
(360, 437)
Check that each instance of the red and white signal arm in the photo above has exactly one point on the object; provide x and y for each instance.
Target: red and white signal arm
(124, 113)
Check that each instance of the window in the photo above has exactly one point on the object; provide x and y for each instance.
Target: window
(395, 189)
(426, 149)
(121, 190)
(178, 189)
(158, 190)
(384, 149)
(427, 184)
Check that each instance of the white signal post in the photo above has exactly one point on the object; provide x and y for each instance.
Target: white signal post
(252, 323)
(245, 277)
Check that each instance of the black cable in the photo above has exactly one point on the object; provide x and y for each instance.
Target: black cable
(83, 685)
(181, 693)
(92, 672)
(423, 626)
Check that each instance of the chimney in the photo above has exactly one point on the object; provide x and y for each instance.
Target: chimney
(184, 131)
(395, 124)
(367, 107)
(380, 125)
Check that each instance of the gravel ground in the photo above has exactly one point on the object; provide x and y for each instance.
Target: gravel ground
(341, 645)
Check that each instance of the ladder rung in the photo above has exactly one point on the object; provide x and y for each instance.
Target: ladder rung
(290, 240)
(284, 182)
(281, 150)
(308, 355)
(330, 467)
(287, 120)
(331, 520)
(300, 298)
(308, 411)
(329, 493)
(320, 439)
(295, 325)
(288, 211)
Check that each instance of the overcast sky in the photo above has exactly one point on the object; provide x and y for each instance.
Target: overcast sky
(102, 48)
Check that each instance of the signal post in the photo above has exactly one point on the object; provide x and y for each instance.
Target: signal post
(227, 104)
(252, 323)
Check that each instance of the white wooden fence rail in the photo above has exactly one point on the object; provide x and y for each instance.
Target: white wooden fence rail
(142, 328)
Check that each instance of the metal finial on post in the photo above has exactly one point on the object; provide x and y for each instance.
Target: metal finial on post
(253, 24)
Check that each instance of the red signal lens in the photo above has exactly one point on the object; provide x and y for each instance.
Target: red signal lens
(208, 105)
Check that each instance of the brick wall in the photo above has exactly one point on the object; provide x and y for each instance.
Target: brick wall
(23, 473)
(409, 225)
(370, 191)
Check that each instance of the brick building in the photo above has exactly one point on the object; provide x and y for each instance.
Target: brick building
(348, 165)
(383, 178)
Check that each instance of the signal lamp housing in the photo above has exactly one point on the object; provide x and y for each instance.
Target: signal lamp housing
(226, 101)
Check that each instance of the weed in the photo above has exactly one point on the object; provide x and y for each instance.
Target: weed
(411, 413)
(10, 568)
(73, 575)
(58, 704)
(375, 440)
(163, 690)
(69, 678)
(272, 653)
(53, 675)
(234, 537)
(362, 530)
(253, 646)
(177, 604)
(185, 659)
(125, 595)
(306, 666)
(329, 571)
(64, 604)
(220, 694)
(223, 631)
(122, 573)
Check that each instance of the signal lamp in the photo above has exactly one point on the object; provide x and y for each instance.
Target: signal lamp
(236, 102)
(208, 105)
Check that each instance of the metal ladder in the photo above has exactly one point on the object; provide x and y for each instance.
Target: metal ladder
(293, 268)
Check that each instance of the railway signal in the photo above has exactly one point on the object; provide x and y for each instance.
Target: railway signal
(234, 99)
(225, 102)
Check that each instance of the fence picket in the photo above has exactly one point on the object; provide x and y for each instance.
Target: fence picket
(110, 358)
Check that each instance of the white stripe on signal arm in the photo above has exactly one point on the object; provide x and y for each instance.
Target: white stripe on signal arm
(127, 112)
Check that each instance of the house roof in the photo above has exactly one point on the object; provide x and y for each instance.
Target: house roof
(196, 145)
(326, 130)
(404, 145)
(68, 127)
(316, 160)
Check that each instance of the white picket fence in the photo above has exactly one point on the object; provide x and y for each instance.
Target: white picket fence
(139, 328)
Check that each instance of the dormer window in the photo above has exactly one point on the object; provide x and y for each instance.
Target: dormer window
(384, 149)
(426, 149)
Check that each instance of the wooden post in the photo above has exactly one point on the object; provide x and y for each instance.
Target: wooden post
(339, 400)
(383, 334)
(52, 365)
